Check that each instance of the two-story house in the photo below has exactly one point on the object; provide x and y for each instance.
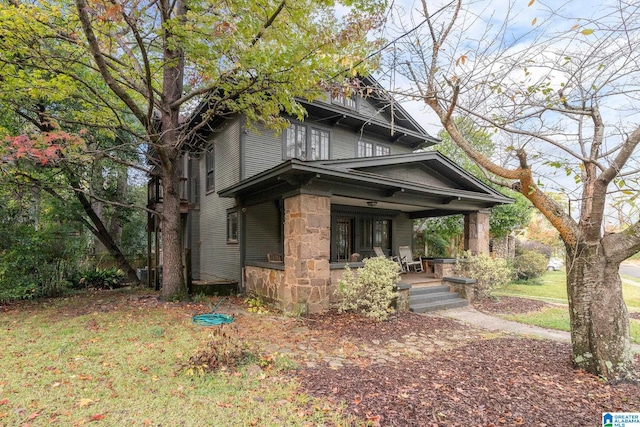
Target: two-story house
(345, 180)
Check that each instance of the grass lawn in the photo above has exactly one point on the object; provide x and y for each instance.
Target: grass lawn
(553, 289)
(558, 318)
(75, 360)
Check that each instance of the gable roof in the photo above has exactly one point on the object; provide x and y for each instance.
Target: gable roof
(432, 160)
(390, 119)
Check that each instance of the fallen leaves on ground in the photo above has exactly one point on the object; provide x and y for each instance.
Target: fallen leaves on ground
(510, 305)
(507, 381)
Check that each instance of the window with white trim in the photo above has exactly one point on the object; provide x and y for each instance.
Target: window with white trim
(306, 143)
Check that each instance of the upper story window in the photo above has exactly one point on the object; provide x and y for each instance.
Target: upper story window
(319, 144)
(382, 150)
(345, 101)
(365, 149)
(369, 149)
(211, 169)
(306, 143)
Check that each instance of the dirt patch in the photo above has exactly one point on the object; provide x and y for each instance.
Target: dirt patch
(509, 305)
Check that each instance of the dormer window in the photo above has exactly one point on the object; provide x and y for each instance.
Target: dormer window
(345, 101)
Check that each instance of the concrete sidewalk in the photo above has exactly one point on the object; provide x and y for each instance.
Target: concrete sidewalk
(492, 323)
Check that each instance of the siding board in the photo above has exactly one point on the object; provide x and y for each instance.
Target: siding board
(263, 226)
(218, 259)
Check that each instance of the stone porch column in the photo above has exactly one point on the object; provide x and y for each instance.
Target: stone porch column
(476, 232)
(307, 226)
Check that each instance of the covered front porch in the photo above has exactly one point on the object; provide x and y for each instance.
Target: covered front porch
(321, 216)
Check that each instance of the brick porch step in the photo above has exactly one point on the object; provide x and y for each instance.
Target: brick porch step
(434, 298)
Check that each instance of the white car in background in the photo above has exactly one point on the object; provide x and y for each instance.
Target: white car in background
(555, 264)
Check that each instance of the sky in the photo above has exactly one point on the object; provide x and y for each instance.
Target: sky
(524, 16)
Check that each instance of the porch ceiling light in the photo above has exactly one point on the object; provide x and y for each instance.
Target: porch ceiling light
(372, 203)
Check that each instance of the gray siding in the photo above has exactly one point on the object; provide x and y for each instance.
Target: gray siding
(194, 243)
(219, 259)
(367, 109)
(416, 173)
(262, 224)
(262, 150)
(343, 143)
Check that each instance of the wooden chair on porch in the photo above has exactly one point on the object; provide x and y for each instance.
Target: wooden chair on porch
(406, 258)
(380, 253)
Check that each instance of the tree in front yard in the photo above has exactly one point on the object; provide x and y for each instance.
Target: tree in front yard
(559, 90)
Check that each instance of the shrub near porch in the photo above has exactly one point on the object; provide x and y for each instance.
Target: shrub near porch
(372, 290)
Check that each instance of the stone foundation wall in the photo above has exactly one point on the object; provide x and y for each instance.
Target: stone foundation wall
(266, 282)
(465, 290)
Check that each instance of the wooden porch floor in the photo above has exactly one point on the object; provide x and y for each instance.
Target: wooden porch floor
(417, 280)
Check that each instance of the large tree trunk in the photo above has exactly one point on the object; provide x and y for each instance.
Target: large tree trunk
(173, 283)
(599, 317)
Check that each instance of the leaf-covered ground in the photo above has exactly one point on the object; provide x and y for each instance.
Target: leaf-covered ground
(487, 381)
(113, 358)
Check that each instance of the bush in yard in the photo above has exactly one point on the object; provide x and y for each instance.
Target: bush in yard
(530, 265)
(109, 278)
(372, 290)
(223, 350)
(36, 262)
(490, 273)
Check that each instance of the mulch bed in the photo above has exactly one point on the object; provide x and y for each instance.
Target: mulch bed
(488, 382)
(500, 382)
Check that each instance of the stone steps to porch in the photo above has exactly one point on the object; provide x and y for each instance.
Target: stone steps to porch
(424, 299)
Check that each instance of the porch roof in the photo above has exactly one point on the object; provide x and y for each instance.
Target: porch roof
(436, 186)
